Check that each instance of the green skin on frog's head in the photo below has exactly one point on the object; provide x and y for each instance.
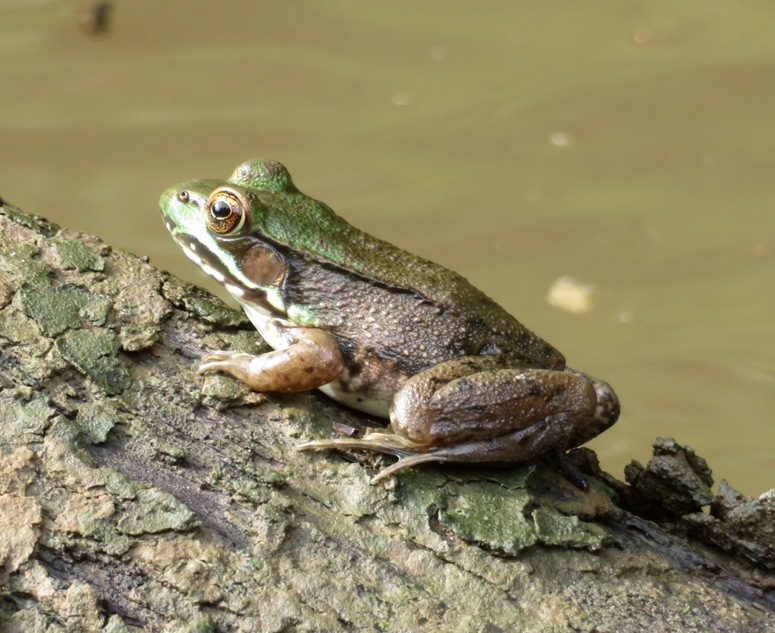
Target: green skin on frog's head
(379, 329)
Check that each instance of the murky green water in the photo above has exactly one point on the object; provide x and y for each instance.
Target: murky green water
(630, 145)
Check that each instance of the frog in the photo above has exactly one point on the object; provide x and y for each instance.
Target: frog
(380, 330)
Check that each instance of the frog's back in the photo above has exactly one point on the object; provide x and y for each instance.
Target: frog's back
(409, 292)
(487, 327)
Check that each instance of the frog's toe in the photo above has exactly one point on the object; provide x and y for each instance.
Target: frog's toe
(219, 360)
(404, 462)
(379, 442)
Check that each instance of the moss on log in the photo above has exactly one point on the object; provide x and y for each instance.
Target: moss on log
(135, 496)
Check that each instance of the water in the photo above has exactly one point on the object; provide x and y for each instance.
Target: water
(629, 146)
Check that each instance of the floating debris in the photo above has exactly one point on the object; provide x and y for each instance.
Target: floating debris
(96, 19)
(568, 294)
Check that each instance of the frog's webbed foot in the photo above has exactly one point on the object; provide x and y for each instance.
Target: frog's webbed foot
(375, 441)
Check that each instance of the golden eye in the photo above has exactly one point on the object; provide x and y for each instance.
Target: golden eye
(225, 212)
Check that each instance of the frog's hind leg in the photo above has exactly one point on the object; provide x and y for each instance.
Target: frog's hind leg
(475, 410)
(392, 444)
(529, 442)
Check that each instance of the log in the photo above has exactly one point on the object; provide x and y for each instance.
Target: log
(136, 496)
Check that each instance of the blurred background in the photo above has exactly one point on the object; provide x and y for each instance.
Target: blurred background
(603, 170)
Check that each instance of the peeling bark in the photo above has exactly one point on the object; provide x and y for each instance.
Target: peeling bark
(135, 496)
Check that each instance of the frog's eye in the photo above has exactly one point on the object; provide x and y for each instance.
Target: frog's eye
(225, 212)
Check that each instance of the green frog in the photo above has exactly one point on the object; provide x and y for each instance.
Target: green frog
(379, 329)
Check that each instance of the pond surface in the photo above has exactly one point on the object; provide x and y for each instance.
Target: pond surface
(629, 146)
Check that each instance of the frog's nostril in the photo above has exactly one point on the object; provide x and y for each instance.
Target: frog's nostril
(183, 196)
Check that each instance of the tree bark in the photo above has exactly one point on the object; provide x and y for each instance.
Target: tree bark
(137, 496)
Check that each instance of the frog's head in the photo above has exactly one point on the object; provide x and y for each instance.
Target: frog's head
(225, 228)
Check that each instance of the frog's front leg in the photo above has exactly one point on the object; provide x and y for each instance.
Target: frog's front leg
(473, 409)
(310, 359)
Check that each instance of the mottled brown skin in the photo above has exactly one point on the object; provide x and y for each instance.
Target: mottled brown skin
(388, 334)
(379, 329)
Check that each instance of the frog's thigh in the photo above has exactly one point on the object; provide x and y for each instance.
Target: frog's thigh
(311, 360)
(448, 406)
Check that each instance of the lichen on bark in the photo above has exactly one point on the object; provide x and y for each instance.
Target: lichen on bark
(137, 496)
